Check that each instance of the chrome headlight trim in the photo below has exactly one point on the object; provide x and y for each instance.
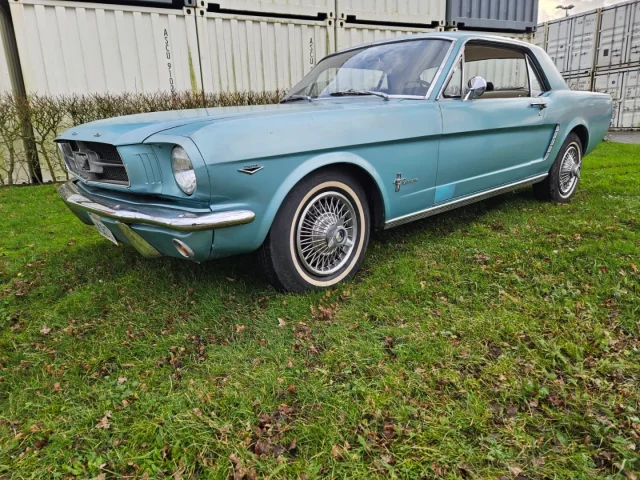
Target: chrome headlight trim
(183, 170)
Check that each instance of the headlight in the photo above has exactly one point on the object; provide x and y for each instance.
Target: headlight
(183, 170)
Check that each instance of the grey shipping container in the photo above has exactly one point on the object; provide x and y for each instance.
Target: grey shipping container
(558, 42)
(579, 82)
(613, 36)
(505, 15)
(629, 116)
(583, 42)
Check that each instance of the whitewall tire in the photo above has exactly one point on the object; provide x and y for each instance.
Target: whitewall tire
(320, 233)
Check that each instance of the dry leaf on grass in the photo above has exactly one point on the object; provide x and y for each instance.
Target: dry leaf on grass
(104, 421)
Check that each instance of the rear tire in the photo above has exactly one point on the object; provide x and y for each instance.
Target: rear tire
(561, 183)
(320, 234)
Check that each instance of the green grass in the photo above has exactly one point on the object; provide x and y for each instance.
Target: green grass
(496, 341)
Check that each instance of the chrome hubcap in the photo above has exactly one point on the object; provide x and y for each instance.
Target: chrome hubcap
(326, 233)
(569, 170)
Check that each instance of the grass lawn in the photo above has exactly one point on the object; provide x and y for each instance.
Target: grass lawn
(495, 341)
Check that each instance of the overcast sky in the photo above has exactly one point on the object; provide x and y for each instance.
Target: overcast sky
(548, 10)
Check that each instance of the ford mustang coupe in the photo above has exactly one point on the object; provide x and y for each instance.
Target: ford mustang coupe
(373, 137)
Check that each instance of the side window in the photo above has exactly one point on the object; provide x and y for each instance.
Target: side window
(536, 84)
(454, 87)
(507, 71)
(504, 70)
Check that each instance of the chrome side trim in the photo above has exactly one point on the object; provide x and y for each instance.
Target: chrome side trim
(170, 218)
(428, 212)
(143, 247)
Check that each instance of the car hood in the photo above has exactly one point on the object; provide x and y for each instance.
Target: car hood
(134, 129)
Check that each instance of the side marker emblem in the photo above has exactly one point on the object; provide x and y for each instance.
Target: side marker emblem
(250, 169)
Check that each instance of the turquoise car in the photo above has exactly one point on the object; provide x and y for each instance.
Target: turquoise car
(373, 137)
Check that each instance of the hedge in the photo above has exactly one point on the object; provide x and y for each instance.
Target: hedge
(29, 124)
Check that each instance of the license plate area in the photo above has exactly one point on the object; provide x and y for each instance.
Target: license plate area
(102, 229)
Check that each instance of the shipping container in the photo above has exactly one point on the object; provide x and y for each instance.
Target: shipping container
(558, 42)
(633, 52)
(613, 36)
(580, 83)
(501, 72)
(515, 15)
(629, 116)
(74, 47)
(611, 83)
(353, 34)
(307, 8)
(10, 76)
(417, 12)
(582, 45)
(245, 53)
(540, 37)
(10, 83)
(522, 36)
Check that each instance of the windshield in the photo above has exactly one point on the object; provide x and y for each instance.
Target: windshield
(400, 68)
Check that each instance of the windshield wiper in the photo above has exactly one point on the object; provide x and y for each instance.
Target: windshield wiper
(352, 91)
(297, 97)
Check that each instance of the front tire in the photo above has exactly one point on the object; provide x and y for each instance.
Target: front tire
(561, 183)
(320, 234)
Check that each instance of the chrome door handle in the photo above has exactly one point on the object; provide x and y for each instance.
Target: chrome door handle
(540, 105)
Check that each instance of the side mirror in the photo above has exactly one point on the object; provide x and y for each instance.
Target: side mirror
(477, 86)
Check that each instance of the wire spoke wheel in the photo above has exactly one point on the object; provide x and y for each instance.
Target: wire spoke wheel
(569, 171)
(326, 233)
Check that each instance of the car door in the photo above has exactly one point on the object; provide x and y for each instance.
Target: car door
(498, 138)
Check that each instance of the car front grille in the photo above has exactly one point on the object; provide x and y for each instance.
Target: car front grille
(107, 153)
(94, 161)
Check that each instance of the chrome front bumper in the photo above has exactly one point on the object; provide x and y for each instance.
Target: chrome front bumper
(170, 218)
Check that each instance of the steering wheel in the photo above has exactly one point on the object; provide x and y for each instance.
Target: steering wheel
(420, 87)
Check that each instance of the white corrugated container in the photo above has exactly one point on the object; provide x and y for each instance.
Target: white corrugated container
(558, 38)
(613, 36)
(73, 47)
(245, 53)
(353, 34)
(582, 45)
(502, 72)
(309, 8)
(416, 12)
(580, 83)
(6, 65)
(633, 52)
(540, 37)
(611, 83)
(629, 116)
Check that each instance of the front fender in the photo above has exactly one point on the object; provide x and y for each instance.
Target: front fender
(315, 163)
(265, 191)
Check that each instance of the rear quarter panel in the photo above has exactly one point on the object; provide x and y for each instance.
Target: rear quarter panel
(569, 109)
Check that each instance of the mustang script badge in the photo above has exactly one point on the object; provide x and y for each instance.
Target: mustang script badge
(399, 181)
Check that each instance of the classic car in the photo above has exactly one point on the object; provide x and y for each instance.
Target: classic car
(373, 137)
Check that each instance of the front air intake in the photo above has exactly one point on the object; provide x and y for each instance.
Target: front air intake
(95, 162)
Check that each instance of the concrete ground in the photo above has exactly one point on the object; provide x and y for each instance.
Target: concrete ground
(623, 137)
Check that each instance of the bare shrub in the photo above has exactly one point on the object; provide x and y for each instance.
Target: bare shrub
(37, 119)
